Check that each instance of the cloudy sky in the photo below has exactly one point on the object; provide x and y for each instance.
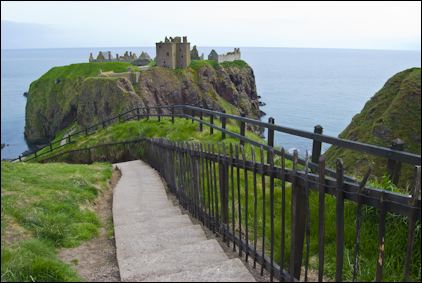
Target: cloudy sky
(363, 25)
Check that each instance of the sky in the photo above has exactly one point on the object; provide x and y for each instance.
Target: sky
(361, 25)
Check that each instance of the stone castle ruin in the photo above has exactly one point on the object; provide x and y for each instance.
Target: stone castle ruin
(229, 56)
(106, 56)
(173, 53)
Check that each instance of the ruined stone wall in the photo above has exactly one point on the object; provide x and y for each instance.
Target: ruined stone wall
(182, 55)
(166, 55)
(231, 56)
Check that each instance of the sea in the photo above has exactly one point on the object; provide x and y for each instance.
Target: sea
(301, 87)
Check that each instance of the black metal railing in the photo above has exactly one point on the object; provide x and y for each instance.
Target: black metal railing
(394, 156)
(233, 190)
(224, 186)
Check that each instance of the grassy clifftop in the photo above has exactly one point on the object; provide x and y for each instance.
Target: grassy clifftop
(393, 112)
(90, 92)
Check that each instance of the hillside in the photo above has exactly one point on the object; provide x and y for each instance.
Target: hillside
(45, 208)
(393, 112)
(90, 92)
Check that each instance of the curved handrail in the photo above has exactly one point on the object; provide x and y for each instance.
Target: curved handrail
(396, 155)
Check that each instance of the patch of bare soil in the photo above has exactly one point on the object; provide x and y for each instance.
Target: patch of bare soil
(95, 260)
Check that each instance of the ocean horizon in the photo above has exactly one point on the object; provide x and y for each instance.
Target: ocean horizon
(302, 87)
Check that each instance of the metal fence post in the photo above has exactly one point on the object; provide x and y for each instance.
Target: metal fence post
(172, 114)
(212, 123)
(224, 188)
(200, 123)
(193, 115)
(242, 128)
(137, 113)
(223, 125)
(147, 110)
(158, 113)
(316, 145)
(298, 216)
(393, 166)
(270, 137)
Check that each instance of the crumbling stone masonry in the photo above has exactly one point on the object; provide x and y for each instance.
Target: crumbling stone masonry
(173, 53)
(229, 56)
(130, 57)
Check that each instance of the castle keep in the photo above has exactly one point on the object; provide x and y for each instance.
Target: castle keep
(173, 53)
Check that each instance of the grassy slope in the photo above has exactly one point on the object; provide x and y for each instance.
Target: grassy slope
(45, 93)
(45, 207)
(395, 110)
(185, 130)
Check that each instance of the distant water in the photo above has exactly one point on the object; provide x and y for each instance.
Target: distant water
(301, 87)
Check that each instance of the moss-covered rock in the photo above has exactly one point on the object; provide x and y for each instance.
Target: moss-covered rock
(393, 112)
(90, 92)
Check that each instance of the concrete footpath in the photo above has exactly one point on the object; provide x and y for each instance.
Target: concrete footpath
(156, 242)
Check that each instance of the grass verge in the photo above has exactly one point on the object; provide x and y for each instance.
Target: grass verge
(45, 207)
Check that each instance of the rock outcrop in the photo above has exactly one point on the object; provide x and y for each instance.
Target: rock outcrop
(393, 112)
(86, 96)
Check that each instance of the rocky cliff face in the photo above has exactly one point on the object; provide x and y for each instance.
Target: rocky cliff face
(393, 112)
(79, 93)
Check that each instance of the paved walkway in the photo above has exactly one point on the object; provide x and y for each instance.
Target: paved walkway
(156, 242)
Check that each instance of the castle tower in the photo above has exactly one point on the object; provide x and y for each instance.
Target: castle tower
(166, 54)
(173, 53)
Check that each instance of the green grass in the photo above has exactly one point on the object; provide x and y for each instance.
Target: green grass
(86, 70)
(236, 63)
(45, 207)
(198, 64)
(393, 112)
(181, 130)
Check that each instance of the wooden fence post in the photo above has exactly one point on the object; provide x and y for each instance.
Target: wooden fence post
(270, 137)
(393, 166)
(316, 145)
(242, 128)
